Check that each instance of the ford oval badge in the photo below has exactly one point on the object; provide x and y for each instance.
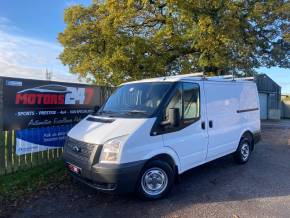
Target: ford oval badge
(76, 149)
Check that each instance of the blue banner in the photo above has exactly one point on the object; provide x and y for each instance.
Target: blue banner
(41, 139)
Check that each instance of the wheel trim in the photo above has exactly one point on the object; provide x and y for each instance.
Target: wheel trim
(245, 151)
(154, 181)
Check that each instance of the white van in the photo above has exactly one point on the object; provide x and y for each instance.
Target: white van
(150, 131)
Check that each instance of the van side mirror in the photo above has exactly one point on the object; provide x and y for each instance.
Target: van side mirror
(173, 118)
(96, 108)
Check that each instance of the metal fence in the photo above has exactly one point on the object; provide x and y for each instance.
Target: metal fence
(10, 162)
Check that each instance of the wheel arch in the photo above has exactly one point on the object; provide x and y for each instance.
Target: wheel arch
(248, 132)
(168, 156)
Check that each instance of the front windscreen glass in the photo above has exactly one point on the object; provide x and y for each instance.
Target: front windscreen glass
(136, 99)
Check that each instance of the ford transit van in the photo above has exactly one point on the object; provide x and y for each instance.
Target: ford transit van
(150, 131)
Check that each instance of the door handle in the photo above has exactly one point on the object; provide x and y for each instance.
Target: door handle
(203, 125)
(210, 124)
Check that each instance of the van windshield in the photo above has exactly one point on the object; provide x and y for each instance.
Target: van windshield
(136, 99)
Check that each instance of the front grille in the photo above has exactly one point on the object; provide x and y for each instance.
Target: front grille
(79, 149)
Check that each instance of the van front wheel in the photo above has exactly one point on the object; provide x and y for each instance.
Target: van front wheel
(155, 181)
(242, 154)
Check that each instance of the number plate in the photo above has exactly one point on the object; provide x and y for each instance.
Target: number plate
(74, 168)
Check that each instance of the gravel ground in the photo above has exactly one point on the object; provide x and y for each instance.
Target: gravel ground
(261, 188)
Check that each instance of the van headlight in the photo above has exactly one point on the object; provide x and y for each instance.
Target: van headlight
(111, 151)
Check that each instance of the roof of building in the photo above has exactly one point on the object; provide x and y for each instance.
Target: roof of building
(265, 76)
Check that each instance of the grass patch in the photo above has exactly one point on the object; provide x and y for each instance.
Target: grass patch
(20, 183)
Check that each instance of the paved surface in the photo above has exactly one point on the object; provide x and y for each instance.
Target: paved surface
(221, 188)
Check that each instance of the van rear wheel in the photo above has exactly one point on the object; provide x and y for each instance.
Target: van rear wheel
(155, 181)
(243, 153)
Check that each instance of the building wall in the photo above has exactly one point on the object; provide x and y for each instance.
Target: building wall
(273, 91)
(285, 107)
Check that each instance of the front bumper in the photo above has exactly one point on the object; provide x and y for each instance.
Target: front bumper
(113, 178)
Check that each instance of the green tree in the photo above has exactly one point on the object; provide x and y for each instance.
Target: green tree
(114, 41)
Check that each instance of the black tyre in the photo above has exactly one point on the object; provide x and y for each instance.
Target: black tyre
(243, 153)
(155, 181)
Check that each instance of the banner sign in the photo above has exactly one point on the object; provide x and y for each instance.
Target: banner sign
(36, 104)
(41, 139)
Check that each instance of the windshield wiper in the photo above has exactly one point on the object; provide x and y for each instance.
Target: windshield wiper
(108, 112)
(137, 112)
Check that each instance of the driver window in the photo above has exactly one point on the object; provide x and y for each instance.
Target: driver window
(186, 99)
(190, 101)
(175, 102)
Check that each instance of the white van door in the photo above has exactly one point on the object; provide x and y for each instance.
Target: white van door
(189, 140)
(224, 124)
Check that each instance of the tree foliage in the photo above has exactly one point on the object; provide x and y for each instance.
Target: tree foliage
(114, 41)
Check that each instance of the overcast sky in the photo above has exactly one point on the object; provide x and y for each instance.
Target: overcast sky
(28, 43)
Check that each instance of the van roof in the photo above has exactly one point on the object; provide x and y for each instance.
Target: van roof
(195, 77)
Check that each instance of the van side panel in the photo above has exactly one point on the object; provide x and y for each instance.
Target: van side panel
(249, 109)
(223, 99)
